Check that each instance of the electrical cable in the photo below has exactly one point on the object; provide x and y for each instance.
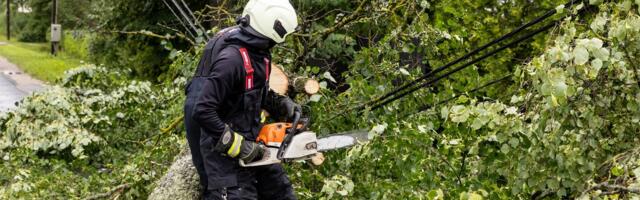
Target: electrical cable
(184, 15)
(427, 107)
(466, 56)
(195, 20)
(432, 81)
(179, 19)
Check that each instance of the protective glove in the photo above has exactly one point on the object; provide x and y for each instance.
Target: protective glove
(234, 145)
(290, 107)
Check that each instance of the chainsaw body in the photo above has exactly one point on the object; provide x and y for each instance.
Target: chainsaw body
(287, 142)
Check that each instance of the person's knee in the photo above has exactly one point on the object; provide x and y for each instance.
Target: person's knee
(232, 193)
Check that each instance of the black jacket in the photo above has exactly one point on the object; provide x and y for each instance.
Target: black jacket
(218, 90)
(223, 98)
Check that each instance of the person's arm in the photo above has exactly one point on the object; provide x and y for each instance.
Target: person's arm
(280, 106)
(224, 77)
(272, 104)
(216, 88)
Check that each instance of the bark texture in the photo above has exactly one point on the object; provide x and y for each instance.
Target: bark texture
(180, 182)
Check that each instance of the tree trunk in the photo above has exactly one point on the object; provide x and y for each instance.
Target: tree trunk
(180, 181)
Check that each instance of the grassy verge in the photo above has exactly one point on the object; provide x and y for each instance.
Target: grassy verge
(35, 59)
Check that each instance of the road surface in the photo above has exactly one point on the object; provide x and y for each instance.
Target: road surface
(9, 94)
(15, 85)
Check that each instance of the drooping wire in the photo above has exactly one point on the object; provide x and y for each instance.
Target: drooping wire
(398, 90)
(185, 16)
(429, 106)
(195, 20)
(447, 74)
(189, 31)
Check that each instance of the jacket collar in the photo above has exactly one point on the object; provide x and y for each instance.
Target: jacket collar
(251, 41)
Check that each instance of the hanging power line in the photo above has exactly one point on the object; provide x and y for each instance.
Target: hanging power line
(449, 73)
(427, 107)
(195, 20)
(185, 17)
(187, 29)
(399, 90)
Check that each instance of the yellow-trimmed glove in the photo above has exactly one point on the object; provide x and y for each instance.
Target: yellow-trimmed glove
(234, 145)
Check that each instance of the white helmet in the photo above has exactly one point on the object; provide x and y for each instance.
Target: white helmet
(274, 19)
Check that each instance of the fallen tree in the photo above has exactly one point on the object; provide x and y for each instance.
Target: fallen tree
(180, 181)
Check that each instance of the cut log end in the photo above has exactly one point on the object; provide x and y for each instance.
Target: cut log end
(278, 80)
(311, 86)
(306, 85)
(317, 159)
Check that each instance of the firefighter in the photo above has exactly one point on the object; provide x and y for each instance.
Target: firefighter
(225, 99)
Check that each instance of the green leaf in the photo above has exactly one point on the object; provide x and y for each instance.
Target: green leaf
(315, 98)
(404, 71)
(514, 142)
(617, 170)
(444, 113)
(581, 55)
(435, 194)
(596, 64)
(555, 54)
(594, 43)
(560, 9)
(601, 53)
(595, 2)
(323, 84)
(598, 23)
(459, 114)
(475, 196)
(626, 5)
(553, 183)
(505, 148)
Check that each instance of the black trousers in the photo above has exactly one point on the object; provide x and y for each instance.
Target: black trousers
(263, 182)
(269, 182)
(193, 129)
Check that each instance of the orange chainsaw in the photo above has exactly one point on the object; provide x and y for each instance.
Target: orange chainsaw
(287, 142)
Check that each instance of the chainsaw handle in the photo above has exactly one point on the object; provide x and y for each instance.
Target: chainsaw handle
(290, 133)
(294, 123)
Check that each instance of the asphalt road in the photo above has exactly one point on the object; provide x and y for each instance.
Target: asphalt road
(9, 94)
(15, 85)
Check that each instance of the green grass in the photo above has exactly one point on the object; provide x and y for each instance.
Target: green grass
(36, 60)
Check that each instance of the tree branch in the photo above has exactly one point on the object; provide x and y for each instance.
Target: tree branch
(115, 190)
(320, 36)
(154, 35)
(612, 188)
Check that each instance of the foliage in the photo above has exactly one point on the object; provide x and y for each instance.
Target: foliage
(96, 128)
(35, 25)
(76, 44)
(145, 56)
(575, 108)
